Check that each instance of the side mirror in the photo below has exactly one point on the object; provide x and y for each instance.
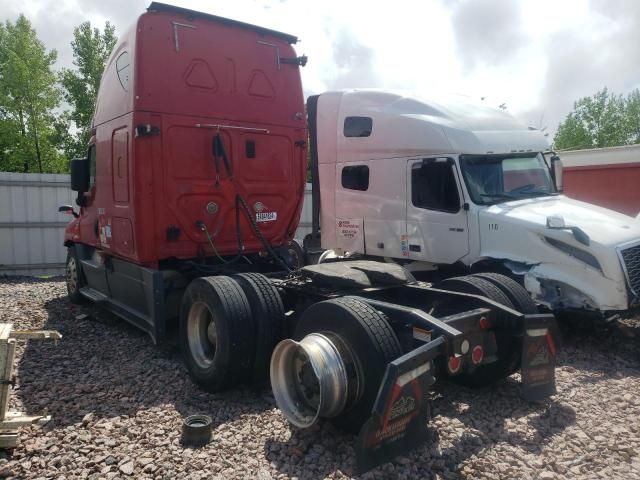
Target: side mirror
(556, 222)
(68, 209)
(80, 175)
(556, 172)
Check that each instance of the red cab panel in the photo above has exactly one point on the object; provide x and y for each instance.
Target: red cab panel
(194, 112)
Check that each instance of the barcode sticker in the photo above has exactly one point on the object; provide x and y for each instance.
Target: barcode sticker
(266, 216)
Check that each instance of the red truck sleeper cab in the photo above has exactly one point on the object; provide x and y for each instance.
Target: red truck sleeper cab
(192, 111)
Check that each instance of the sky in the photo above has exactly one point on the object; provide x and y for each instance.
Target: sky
(535, 56)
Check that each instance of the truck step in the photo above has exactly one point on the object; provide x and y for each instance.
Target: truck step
(93, 295)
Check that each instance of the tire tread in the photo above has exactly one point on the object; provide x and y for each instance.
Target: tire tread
(268, 318)
(509, 347)
(232, 304)
(520, 298)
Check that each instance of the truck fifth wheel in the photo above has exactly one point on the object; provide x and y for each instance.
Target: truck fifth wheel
(189, 198)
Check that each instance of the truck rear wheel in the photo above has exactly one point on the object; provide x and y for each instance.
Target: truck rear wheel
(268, 316)
(509, 346)
(476, 286)
(74, 277)
(356, 342)
(216, 333)
(519, 297)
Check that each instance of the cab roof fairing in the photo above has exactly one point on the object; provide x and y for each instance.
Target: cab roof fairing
(408, 126)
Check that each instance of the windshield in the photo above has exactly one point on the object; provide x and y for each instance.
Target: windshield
(493, 179)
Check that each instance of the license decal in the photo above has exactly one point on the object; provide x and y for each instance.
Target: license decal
(266, 216)
(404, 245)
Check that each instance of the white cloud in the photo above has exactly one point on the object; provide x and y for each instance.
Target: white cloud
(537, 57)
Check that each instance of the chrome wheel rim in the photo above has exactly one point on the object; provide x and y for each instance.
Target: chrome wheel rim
(72, 275)
(201, 334)
(309, 379)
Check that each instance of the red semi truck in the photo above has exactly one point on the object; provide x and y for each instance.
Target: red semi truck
(189, 198)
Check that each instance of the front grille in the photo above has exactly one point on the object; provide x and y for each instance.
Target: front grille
(631, 260)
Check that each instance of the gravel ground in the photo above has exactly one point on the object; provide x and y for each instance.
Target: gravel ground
(118, 401)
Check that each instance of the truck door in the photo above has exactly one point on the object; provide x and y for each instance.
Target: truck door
(437, 228)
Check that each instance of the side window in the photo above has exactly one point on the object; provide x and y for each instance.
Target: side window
(122, 68)
(358, 126)
(434, 187)
(92, 165)
(355, 178)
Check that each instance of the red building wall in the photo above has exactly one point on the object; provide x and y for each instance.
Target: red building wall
(608, 177)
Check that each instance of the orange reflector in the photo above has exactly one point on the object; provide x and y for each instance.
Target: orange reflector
(454, 364)
(477, 354)
(484, 323)
(551, 343)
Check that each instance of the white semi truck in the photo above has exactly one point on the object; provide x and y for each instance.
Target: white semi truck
(460, 187)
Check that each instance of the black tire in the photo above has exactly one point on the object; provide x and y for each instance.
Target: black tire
(369, 337)
(476, 286)
(219, 301)
(519, 297)
(509, 346)
(268, 317)
(74, 277)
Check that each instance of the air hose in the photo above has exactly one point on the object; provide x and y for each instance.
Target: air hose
(241, 201)
(220, 152)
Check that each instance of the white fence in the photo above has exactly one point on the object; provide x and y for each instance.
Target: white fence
(32, 230)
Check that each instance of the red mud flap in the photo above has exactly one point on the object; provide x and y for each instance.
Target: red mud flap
(539, 357)
(398, 422)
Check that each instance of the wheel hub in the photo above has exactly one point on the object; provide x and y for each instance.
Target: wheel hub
(72, 275)
(201, 334)
(309, 378)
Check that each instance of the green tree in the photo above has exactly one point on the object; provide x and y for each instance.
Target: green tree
(632, 116)
(9, 141)
(91, 49)
(29, 96)
(601, 120)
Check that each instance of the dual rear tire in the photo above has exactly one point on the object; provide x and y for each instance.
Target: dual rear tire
(505, 291)
(228, 328)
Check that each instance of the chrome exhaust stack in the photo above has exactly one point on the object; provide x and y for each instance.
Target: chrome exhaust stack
(313, 378)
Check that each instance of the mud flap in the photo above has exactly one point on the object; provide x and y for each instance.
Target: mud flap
(398, 422)
(539, 357)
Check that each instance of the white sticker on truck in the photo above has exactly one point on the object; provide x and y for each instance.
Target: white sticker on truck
(266, 216)
(349, 234)
(421, 334)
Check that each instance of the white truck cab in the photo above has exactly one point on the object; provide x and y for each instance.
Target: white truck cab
(431, 184)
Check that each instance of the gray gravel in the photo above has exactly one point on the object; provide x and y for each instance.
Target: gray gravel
(118, 401)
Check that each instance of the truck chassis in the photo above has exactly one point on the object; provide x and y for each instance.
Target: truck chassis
(357, 343)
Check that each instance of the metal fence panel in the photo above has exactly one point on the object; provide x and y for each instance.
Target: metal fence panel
(32, 230)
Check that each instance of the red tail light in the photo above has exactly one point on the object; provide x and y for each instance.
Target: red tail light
(484, 323)
(477, 354)
(454, 364)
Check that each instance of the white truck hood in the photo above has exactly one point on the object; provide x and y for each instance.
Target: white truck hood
(605, 227)
(517, 232)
